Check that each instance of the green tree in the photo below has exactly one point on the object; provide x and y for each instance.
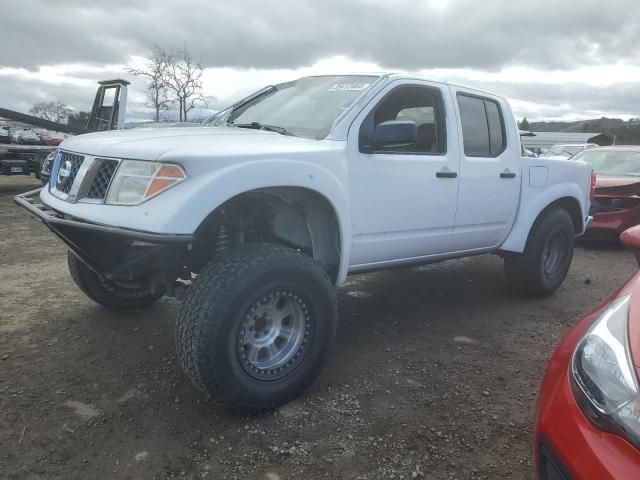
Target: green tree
(78, 120)
(524, 124)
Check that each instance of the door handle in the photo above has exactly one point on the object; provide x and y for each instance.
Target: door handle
(446, 174)
(507, 175)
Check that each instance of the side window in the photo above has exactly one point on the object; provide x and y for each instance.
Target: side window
(482, 126)
(414, 103)
(496, 128)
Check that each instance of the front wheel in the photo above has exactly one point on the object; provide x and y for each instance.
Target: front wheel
(256, 325)
(116, 296)
(546, 259)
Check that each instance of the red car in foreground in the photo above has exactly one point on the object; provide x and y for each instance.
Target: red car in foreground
(616, 205)
(588, 415)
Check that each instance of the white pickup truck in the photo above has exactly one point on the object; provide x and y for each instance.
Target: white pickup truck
(256, 218)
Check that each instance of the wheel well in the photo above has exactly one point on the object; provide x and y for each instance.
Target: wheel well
(292, 216)
(572, 206)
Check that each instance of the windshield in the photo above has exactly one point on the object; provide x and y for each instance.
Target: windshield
(614, 163)
(306, 107)
(565, 150)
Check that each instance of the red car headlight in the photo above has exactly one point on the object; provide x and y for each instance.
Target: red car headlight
(603, 377)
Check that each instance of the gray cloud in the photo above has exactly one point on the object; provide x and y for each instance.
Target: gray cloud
(402, 34)
(395, 34)
(621, 98)
(20, 93)
(17, 93)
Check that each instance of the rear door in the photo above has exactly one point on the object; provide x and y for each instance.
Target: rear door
(490, 171)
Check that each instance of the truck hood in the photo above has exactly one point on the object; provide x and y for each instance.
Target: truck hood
(174, 144)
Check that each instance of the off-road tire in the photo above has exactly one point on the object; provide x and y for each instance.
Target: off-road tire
(212, 323)
(527, 272)
(106, 293)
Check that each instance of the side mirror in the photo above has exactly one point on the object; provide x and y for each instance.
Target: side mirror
(394, 133)
(630, 238)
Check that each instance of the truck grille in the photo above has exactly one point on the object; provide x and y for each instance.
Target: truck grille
(84, 178)
(64, 184)
(102, 179)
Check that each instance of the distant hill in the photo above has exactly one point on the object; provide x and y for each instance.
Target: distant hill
(626, 132)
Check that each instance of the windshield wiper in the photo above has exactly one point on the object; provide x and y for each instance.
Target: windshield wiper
(261, 126)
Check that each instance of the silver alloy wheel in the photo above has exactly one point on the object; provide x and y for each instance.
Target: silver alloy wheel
(554, 253)
(274, 334)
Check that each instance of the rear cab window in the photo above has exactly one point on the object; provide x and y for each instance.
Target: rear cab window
(483, 130)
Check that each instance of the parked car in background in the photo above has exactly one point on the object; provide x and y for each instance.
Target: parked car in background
(527, 152)
(5, 135)
(27, 137)
(273, 208)
(616, 203)
(43, 135)
(13, 134)
(588, 414)
(567, 150)
(56, 138)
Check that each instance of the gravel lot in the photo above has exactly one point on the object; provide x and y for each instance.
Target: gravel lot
(433, 375)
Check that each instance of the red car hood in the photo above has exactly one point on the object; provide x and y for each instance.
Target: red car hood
(602, 181)
(618, 186)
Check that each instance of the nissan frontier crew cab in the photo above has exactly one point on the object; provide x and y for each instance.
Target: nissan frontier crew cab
(259, 216)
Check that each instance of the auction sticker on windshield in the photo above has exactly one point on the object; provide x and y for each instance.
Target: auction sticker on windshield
(349, 86)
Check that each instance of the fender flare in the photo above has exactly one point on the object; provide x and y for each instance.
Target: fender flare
(204, 193)
(534, 204)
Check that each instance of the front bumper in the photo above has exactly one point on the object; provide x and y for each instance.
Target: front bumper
(550, 465)
(114, 252)
(15, 167)
(615, 222)
(565, 440)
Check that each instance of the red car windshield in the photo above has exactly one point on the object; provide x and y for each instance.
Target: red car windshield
(612, 163)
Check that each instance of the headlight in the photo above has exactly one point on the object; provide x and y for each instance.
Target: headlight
(604, 380)
(48, 163)
(137, 181)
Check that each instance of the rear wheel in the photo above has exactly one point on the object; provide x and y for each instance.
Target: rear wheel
(256, 325)
(113, 295)
(546, 259)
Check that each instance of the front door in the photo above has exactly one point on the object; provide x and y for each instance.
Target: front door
(403, 198)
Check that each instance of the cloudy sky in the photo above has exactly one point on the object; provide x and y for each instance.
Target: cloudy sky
(555, 59)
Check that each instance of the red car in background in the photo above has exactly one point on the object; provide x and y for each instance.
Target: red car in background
(616, 205)
(588, 414)
(55, 139)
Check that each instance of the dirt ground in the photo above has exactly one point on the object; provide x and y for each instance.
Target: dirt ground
(433, 375)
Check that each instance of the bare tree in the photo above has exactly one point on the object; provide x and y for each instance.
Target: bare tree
(155, 73)
(184, 79)
(55, 111)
